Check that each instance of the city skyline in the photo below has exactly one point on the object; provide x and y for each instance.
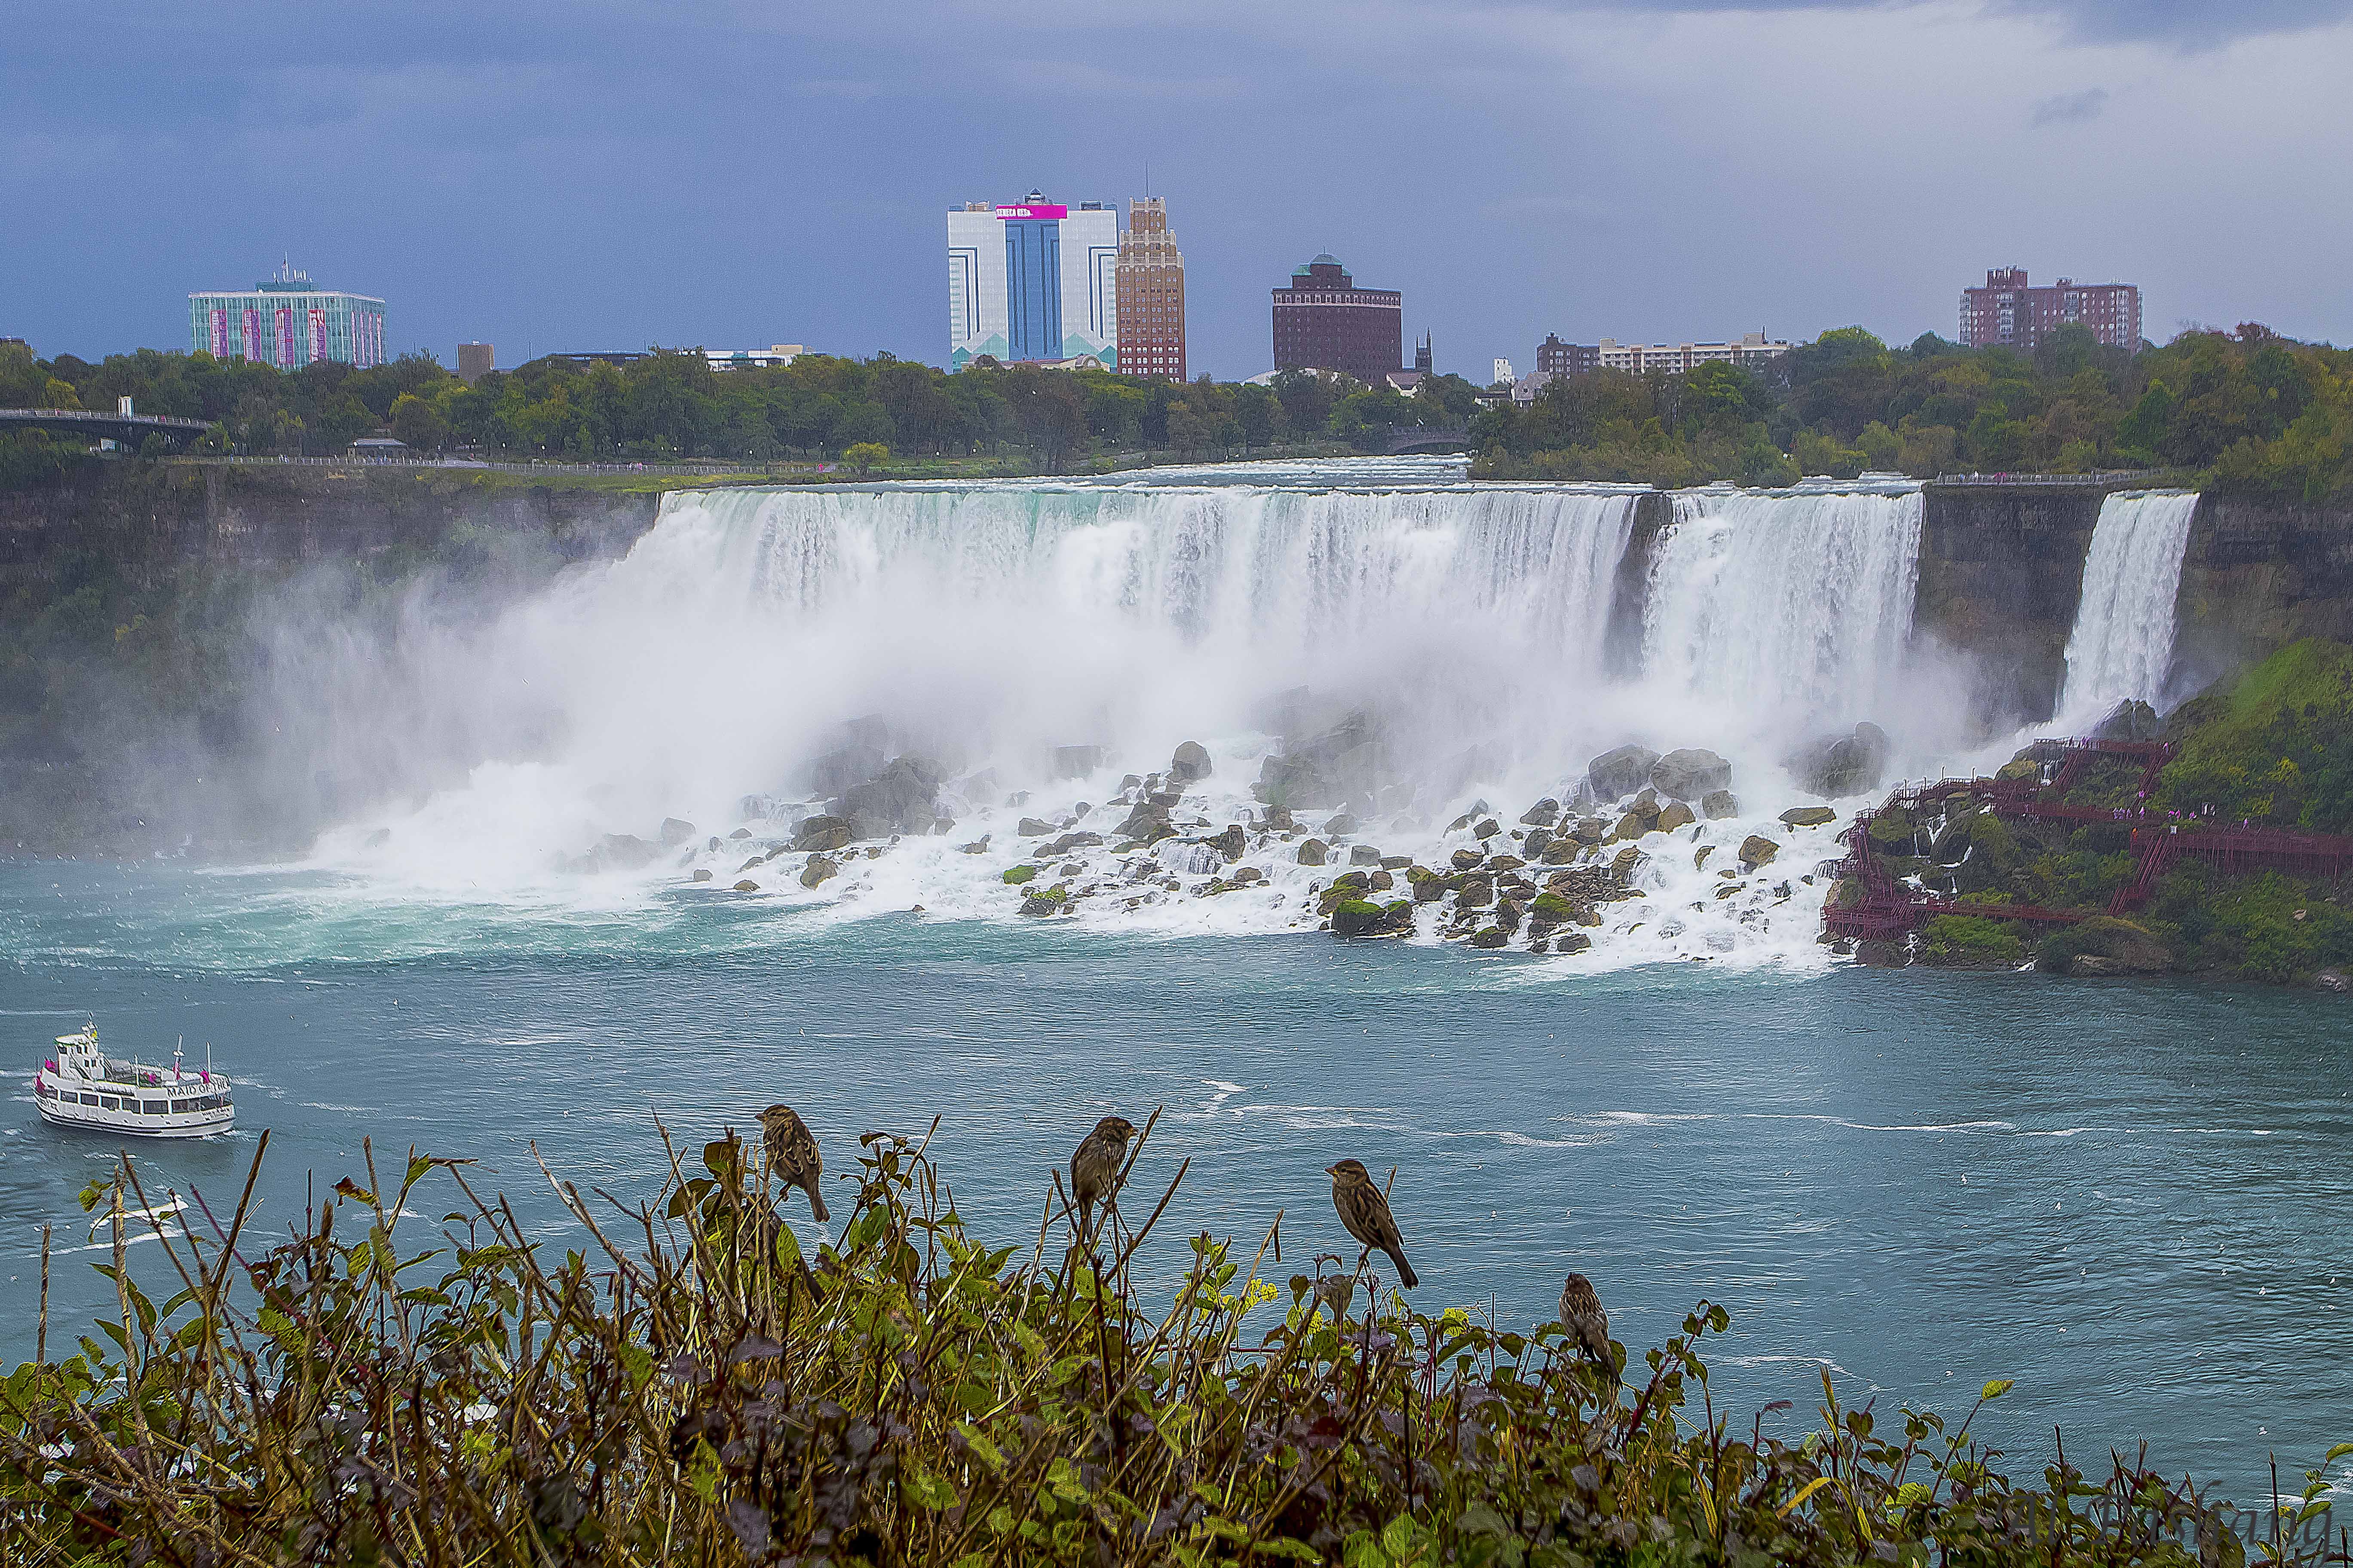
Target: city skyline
(535, 192)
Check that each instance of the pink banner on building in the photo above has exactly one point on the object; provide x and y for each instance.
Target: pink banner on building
(285, 360)
(220, 333)
(1042, 210)
(252, 346)
(318, 334)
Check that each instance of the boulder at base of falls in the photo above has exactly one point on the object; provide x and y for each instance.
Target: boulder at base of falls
(1466, 858)
(701, 874)
(1046, 900)
(675, 831)
(1491, 936)
(1327, 769)
(822, 832)
(1033, 827)
(2116, 947)
(1719, 804)
(836, 771)
(1536, 842)
(739, 833)
(1571, 941)
(1628, 862)
(1340, 823)
(2130, 720)
(1591, 829)
(977, 847)
(1277, 819)
(1807, 816)
(746, 886)
(1314, 851)
(820, 868)
(1364, 918)
(1078, 761)
(1690, 774)
(1231, 843)
(900, 799)
(1841, 766)
(1756, 850)
(1544, 813)
(1191, 762)
(1677, 815)
(1614, 775)
(1487, 830)
(1363, 855)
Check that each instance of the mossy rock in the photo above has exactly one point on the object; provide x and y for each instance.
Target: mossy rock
(2116, 946)
(1969, 941)
(1046, 900)
(1356, 917)
(1017, 875)
(1551, 909)
(2021, 767)
(1491, 936)
(1808, 815)
(1891, 826)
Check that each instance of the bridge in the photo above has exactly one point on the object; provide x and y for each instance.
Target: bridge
(94, 424)
(1889, 908)
(1413, 437)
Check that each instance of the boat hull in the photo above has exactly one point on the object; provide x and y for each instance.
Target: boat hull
(136, 1124)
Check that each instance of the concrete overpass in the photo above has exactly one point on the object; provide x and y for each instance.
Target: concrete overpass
(92, 425)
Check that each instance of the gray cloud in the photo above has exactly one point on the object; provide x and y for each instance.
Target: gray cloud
(2069, 106)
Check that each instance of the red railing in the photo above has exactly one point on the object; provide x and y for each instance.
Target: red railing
(1889, 909)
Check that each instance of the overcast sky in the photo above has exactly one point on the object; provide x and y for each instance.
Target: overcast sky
(608, 174)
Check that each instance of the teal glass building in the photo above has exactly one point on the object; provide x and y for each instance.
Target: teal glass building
(287, 321)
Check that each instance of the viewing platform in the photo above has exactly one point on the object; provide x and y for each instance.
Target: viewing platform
(1890, 908)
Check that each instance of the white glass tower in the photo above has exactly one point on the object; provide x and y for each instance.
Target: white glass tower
(1033, 280)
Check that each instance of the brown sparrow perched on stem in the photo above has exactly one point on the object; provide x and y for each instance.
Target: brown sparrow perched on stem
(1366, 1215)
(793, 1154)
(1094, 1169)
(1587, 1324)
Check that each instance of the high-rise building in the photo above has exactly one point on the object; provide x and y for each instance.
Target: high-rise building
(2008, 312)
(1033, 280)
(1151, 293)
(475, 360)
(1503, 377)
(1323, 321)
(287, 321)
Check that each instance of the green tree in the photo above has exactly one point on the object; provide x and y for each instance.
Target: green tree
(866, 456)
(417, 424)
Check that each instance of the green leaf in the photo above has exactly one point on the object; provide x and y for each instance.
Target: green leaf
(988, 1452)
(1996, 1388)
(928, 1489)
(2336, 1453)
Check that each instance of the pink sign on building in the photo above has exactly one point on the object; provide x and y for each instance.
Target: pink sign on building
(252, 346)
(285, 360)
(220, 333)
(318, 334)
(1043, 210)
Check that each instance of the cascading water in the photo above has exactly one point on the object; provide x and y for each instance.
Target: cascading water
(2122, 645)
(1040, 641)
(1783, 609)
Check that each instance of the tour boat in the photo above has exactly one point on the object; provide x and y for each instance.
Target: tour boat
(81, 1087)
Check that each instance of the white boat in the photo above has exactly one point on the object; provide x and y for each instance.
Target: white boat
(82, 1087)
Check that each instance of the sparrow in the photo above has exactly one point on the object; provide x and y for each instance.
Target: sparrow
(793, 1154)
(1587, 1324)
(1094, 1169)
(1366, 1215)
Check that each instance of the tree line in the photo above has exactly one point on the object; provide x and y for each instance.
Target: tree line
(2249, 411)
(672, 403)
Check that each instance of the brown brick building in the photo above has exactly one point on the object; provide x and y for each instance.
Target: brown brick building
(1151, 274)
(1323, 321)
(2008, 312)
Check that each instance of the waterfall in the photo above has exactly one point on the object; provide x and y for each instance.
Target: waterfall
(1784, 609)
(2122, 645)
(985, 624)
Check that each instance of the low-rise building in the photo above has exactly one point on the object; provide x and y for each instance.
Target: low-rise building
(1323, 321)
(1557, 358)
(476, 361)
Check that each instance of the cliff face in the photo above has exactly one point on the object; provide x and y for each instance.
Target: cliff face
(2257, 577)
(2001, 568)
(152, 520)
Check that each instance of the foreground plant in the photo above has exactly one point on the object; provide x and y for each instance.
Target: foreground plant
(694, 1388)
